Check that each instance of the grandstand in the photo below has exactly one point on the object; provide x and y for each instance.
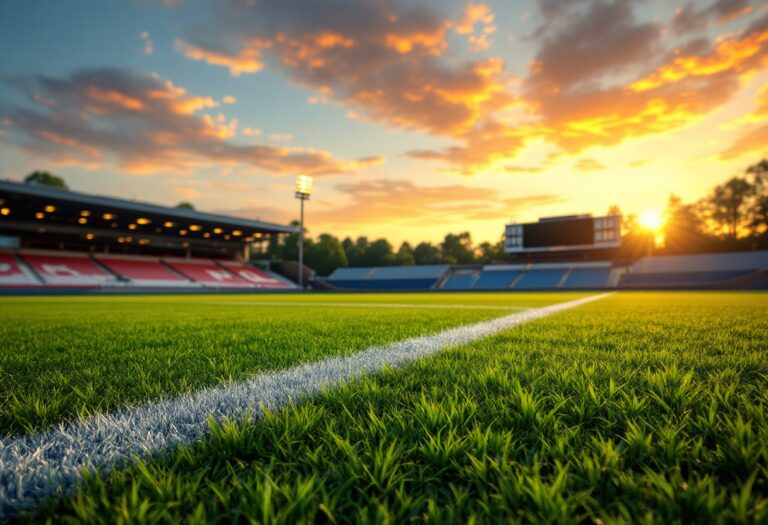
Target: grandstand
(721, 270)
(389, 277)
(55, 238)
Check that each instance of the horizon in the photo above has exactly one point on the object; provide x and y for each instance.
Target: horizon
(414, 121)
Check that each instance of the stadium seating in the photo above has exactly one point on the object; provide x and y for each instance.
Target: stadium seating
(587, 278)
(496, 279)
(255, 276)
(207, 273)
(13, 273)
(537, 279)
(708, 269)
(681, 278)
(389, 277)
(460, 282)
(144, 271)
(67, 269)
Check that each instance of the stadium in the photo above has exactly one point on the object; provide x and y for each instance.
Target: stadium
(408, 295)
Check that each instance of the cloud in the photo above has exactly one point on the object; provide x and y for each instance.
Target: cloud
(281, 137)
(477, 15)
(589, 165)
(602, 73)
(146, 42)
(229, 99)
(247, 61)
(384, 60)
(145, 125)
(591, 87)
(688, 18)
(755, 139)
(252, 132)
(404, 202)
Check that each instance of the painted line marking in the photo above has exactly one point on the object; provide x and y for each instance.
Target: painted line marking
(371, 305)
(45, 465)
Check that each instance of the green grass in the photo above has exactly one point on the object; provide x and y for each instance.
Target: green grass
(642, 407)
(66, 357)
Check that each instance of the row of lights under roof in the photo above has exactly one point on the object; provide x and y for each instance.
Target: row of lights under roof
(143, 221)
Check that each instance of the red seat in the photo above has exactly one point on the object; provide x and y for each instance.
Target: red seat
(66, 269)
(13, 274)
(208, 273)
(253, 275)
(142, 270)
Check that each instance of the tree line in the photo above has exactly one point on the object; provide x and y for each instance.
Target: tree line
(327, 252)
(733, 216)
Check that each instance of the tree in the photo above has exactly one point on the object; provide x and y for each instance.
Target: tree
(426, 253)
(184, 205)
(45, 178)
(635, 240)
(727, 206)
(404, 255)
(489, 252)
(326, 254)
(683, 228)
(758, 209)
(379, 253)
(355, 250)
(457, 249)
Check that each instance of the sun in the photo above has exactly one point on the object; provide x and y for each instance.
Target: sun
(651, 220)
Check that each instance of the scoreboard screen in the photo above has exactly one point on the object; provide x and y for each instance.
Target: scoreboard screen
(575, 232)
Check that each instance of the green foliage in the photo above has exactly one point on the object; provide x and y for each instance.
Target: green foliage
(45, 178)
(184, 205)
(643, 407)
(457, 249)
(325, 255)
(426, 253)
(404, 255)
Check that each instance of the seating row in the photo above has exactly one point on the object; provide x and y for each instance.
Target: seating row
(32, 268)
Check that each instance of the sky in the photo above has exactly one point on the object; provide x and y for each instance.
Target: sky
(414, 118)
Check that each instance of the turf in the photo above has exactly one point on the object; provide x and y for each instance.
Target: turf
(642, 407)
(67, 357)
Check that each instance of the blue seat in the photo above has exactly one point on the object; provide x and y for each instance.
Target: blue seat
(681, 278)
(587, 277)
(386, 284)
(460, 282)
(540, 279)
(496, 280)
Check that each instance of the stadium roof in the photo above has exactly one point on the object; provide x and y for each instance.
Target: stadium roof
(48, 192)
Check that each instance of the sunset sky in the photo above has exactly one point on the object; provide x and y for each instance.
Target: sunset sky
(415, 119)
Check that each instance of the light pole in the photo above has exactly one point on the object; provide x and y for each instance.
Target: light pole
(303, 191)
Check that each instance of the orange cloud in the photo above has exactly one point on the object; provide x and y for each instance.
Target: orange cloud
(589, 165)
(247, 61)
(406, 203)
(730, 55)
(755, 139)
(384, 60)
(475, 14)
(148, 126)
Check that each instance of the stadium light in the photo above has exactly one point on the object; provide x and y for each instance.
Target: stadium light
(303, 191)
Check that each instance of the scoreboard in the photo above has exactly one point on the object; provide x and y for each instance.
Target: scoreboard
(574, 232)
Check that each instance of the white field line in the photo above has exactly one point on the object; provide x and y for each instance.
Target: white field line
(41, 466)
(367, 305)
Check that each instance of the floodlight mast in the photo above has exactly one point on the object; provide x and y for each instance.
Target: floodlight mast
(303, 191)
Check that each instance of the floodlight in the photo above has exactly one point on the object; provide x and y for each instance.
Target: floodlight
(303, 187)
(303, 191)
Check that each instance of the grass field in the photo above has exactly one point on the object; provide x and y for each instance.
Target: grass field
(62, 358)
(640, 407)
